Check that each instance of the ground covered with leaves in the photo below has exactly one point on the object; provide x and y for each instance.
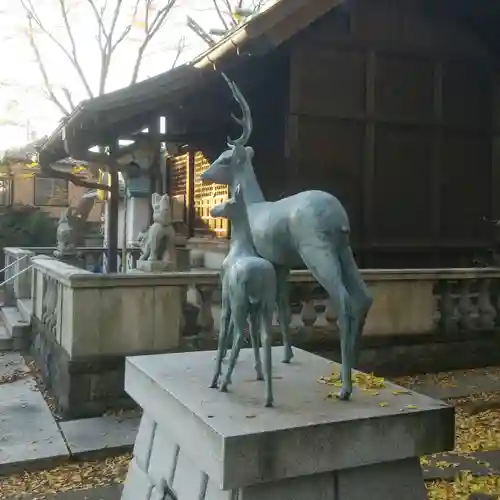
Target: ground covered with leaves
(66, 477)
(477, 430)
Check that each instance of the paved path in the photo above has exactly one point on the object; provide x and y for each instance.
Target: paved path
(28, 431)
(31, 438)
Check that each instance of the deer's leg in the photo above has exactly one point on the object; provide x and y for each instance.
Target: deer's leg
(324, 264)
(361, 299)
(239, 317)
(284, 313)
(266, 324)
(255, 339)
(225, 318)
(229, 337)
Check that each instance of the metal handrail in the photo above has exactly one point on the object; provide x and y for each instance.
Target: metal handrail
(12, 263)
(16, 275)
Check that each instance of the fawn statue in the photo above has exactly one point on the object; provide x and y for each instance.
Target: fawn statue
(310, 228)
(248, 291)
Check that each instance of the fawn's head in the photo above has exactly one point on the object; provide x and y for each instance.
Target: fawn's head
(232, 207)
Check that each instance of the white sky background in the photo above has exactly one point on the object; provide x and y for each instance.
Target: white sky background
(21, 88)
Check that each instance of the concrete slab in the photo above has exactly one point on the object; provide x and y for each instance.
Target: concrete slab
(228, 435)
(6, 342)
(29, 435)
(101, 435)
(14, 322)
(25, 307)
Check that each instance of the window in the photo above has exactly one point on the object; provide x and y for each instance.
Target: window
(5, 192)
(51, 192)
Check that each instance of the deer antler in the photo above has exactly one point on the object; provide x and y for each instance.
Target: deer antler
(246, 120)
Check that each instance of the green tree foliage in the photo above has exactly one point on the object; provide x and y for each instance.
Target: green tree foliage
(26, 226)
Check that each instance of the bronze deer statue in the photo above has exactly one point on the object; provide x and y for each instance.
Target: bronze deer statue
(248, 292)
(310, 228)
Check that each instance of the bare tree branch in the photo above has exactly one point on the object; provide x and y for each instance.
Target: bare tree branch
(181, 45)
(48, 87)
(230, 11)
(69, 98)
(31, 12)
(99, 14)
(220, 14)
(105, 38)
(152, 29)
(76, 62)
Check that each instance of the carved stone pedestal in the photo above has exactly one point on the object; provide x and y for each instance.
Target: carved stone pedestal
(196, 443)
(70, 258)
(154, 266)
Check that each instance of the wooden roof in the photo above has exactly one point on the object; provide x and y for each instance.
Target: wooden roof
(129, 109)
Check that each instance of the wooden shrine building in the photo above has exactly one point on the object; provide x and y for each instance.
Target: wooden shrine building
(392, 105)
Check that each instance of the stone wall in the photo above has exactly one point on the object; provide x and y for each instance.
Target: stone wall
(85, 324)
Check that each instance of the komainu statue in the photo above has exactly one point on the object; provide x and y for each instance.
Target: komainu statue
(71, 225)
(159, 238)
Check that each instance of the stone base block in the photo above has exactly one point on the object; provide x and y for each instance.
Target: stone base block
(197, 443)
(81, 388)
(154, 266)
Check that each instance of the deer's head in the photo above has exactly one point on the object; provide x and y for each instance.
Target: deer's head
(225, 169)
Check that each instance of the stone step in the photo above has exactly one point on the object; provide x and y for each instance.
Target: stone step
(16, 325)
(25, 307)
(6, 341)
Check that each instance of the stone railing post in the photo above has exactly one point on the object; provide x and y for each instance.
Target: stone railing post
(17, 276)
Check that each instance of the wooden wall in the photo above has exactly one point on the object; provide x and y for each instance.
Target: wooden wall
(390, 109)
(264, 82)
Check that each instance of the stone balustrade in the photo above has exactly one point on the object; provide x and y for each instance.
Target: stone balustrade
(85, 324)
(406, 301)
(92, 258)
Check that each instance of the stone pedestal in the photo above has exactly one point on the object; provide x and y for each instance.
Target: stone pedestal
(195, 443)
(72, 258)
(154, 266)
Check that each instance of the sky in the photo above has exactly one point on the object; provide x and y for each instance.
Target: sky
(22, 102)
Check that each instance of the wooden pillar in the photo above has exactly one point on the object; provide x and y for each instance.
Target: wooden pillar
(112, 235)
(155, 183)
(191, 215)
(369, 162)
(495, 164)
(436, 164)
